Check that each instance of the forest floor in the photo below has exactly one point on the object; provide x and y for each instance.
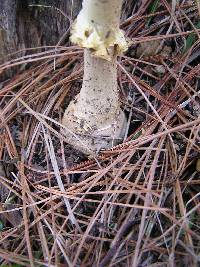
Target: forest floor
(136, 204)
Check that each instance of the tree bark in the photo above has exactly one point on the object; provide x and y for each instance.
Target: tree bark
(34, 23)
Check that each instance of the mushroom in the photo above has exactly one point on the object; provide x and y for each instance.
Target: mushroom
(94, 119)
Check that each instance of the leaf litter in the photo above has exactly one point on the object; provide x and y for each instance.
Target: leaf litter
(136, 204)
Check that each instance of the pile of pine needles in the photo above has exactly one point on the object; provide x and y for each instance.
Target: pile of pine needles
(136, 204)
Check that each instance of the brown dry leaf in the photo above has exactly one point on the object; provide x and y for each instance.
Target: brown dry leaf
(198, 165)
(152, 48)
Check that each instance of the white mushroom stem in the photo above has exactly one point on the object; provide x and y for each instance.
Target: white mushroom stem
(95, 116)
(98, 102)
(103, 12)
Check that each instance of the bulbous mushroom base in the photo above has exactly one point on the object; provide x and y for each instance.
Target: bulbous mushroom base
(91, 139)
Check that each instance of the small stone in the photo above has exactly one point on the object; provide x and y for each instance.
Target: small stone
(159, 69)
